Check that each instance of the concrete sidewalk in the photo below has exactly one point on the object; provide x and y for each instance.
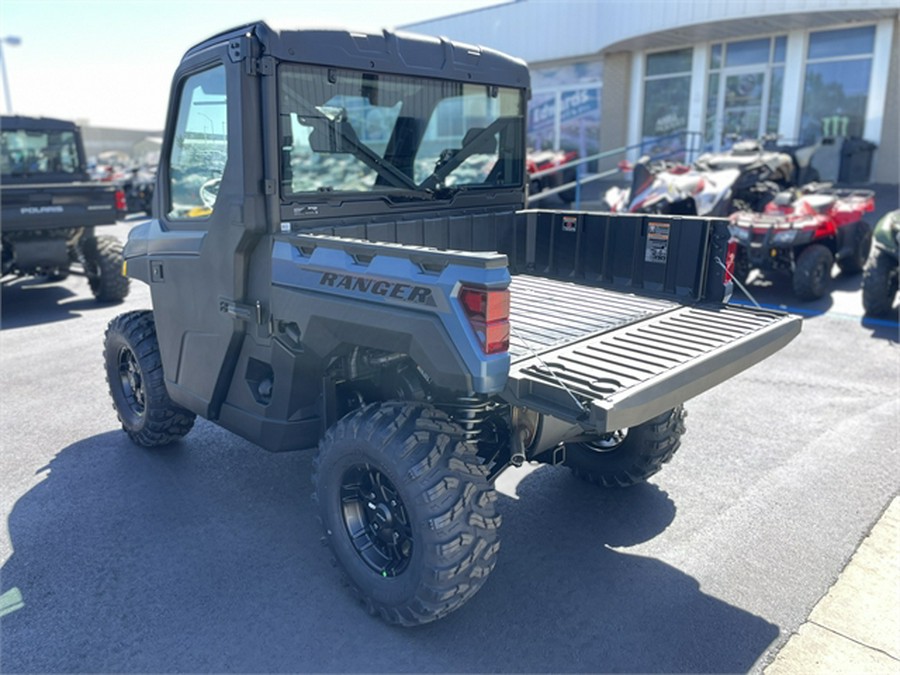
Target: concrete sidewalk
(855, 628)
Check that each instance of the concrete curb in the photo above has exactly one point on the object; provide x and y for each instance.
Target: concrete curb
(855, 627)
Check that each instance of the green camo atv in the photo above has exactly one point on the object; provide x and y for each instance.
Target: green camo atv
(880, 275)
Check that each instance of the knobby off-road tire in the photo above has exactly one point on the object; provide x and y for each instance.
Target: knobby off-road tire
(102, 259)
(407, 511)
(628, 457)
(135, 377)
(879, 283)
(812, 272)
(857, 262)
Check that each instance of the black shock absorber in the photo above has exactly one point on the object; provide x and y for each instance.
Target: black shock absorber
(485, 424)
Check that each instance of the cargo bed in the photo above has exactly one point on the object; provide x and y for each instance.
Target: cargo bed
(610, 359)
(614, 318)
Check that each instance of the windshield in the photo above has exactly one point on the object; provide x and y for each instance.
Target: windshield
(31, 153)
(351, 131)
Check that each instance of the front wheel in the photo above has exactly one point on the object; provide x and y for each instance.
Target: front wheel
(879, 284)
(102, 258)
(629, 456)
(407, 510)
(812, 272)
(135, 377)
(855, 263)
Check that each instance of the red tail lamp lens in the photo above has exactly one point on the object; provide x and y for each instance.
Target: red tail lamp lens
(121, 202)
(730, 255)
(488, 315)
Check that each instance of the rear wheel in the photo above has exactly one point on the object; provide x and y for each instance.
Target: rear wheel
(879, 283)
(407, 510)
(629, 456)
(135, 377)
(102, 258)
(812, 272)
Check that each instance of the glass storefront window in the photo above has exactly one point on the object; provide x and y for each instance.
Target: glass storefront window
(780, 49)
(712, 103)
(669, 63)
(776, 86)
(747, 52)
(834, 99)
(666, 105)
(667, 86)
(847, 42)
(836, 88)
(744, 91)
(579, 127)
(564, 111)
(715, 57)
(542, 121)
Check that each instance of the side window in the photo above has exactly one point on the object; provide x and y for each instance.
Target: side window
(199, 147)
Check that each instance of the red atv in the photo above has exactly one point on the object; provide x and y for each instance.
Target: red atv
(804, 232)
(543, 160)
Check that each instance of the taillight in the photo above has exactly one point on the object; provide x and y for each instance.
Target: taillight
(488, 315)
(730, 254)
(121, 203)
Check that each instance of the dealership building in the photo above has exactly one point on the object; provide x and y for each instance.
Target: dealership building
(648, 73)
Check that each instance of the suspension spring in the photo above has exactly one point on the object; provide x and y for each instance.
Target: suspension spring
(484, 424)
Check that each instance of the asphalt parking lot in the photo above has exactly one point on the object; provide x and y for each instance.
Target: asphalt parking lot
(206, 557)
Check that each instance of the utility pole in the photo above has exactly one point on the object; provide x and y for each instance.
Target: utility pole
(12, 41)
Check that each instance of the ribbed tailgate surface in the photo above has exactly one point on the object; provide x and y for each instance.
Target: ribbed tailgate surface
(639, 360)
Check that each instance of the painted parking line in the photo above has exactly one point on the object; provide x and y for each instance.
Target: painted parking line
(11, 601)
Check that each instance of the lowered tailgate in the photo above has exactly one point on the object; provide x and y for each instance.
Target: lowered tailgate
(627, 358)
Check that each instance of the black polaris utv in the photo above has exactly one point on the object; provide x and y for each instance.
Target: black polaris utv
(51, 208)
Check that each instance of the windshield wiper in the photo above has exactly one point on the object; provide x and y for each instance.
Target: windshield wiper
(476, 140)
(368, 157)
(339, 136)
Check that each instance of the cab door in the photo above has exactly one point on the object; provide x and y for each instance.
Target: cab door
(200, 249)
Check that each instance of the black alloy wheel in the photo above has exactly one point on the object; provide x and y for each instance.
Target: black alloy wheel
(407, 510)
(376, 520)
(136, 385)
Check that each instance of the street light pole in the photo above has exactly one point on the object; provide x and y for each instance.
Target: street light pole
(12, 41)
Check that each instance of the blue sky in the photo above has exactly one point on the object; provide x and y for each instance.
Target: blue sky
(110, 62)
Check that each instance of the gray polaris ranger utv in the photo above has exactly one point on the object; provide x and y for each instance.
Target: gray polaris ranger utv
(339, 256)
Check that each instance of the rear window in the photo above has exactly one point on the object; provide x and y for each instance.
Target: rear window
(35, 153)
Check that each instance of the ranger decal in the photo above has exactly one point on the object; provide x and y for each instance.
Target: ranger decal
(388, 289)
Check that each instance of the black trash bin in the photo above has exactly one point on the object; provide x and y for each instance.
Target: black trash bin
(856, 160)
